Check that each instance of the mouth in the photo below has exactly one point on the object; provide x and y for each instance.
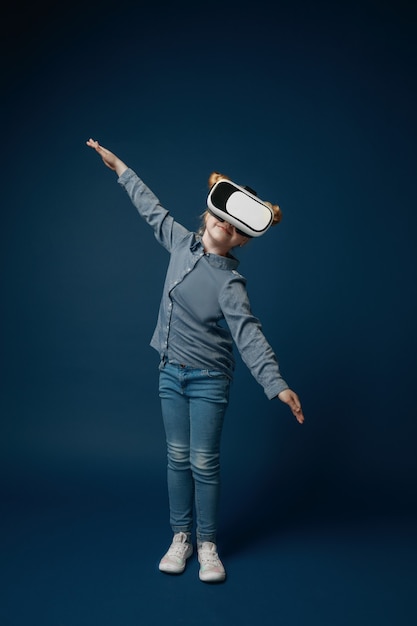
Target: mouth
(223, 228)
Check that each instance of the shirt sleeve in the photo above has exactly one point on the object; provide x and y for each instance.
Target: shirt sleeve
(167, 231)
(247, 334)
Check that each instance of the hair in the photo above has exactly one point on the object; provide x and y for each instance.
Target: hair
(216, 176)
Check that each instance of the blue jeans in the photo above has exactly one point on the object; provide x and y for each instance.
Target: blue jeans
(193, 403)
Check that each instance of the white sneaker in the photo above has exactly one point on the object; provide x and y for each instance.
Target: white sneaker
(174, 561)
(211, 568)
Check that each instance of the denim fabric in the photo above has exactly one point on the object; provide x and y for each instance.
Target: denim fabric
(204, 305)
(193, 405)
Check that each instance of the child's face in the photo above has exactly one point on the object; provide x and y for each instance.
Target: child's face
(224, 233)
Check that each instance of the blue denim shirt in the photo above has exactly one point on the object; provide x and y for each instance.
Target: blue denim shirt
(204, 305)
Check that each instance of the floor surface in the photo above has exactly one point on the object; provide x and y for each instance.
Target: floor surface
(75, 561)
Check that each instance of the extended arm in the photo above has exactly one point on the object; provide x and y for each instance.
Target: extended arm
(167, 231)
(253, 347)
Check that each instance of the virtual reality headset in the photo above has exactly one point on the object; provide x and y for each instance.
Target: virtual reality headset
(240, 207)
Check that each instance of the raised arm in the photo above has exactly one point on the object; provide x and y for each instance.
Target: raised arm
(109, 159)
(167, 231)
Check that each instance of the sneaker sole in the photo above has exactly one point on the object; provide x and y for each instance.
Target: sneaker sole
(166, 568)
(211, 577)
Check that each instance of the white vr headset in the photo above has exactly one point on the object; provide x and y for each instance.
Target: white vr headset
(240, 207)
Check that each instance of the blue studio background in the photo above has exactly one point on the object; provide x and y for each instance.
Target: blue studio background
(313, 105)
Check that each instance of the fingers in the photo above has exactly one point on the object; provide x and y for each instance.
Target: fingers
(94, 144)
(298, 413)
(296, 409)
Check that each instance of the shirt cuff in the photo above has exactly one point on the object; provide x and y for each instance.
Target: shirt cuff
(273, 390)
(123, 178)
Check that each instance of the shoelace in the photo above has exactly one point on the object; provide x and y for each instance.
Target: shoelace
(208, 556)
(178, 548)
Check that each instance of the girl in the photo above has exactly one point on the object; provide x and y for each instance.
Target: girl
(204, 308)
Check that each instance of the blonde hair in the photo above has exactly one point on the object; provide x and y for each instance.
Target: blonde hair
(216, 176)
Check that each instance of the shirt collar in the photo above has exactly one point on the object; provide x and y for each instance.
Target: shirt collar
(222, 262)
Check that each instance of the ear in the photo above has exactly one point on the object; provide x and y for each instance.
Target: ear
(244, 242)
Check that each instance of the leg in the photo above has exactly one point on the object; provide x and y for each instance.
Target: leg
(175, 413)
(209, 395)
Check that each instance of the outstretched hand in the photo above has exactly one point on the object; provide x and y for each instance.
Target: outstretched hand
(109, 159)
(290, 397)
